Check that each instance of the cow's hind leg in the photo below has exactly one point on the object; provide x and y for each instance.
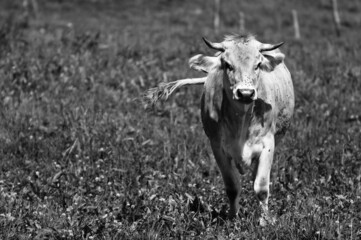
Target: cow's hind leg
(230, 177)
(262, 179)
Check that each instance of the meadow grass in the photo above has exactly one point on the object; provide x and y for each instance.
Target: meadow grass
(81, 157)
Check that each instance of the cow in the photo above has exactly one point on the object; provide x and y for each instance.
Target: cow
(246, 108)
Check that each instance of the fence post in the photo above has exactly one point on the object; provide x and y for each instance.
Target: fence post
(31, 5)
(295, 24)
(216, 15)
(336, 18)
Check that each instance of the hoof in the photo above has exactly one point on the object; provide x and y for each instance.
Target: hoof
(267, 220)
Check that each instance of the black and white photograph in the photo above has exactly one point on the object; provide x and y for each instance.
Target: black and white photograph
(180, 119)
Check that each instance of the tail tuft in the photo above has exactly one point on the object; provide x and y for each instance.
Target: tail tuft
(163, 91)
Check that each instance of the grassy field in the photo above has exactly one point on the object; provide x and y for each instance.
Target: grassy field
(81, 157)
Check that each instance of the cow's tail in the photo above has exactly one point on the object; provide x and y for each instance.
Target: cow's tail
(164, 90)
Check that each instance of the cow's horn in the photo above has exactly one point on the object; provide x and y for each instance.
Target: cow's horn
(268, 47)
(216, 46)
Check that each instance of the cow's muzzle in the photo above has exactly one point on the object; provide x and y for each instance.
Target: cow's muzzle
(245, 94)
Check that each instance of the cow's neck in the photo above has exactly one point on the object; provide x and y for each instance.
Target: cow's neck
(236, 115)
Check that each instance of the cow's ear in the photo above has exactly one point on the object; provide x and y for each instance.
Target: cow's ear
(271, 60)
(213, 93)
(203, 63)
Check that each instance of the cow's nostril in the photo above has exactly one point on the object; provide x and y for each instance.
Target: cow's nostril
(239, 94)
(252, 92)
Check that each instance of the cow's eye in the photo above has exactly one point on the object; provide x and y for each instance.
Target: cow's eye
(228, 66)
(257, 66)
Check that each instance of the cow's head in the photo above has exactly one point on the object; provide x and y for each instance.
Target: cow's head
(241, 59)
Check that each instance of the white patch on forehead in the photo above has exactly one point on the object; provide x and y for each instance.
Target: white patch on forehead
(241, 53)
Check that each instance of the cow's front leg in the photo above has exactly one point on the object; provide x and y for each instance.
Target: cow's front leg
(262, 179)
(230, 177)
